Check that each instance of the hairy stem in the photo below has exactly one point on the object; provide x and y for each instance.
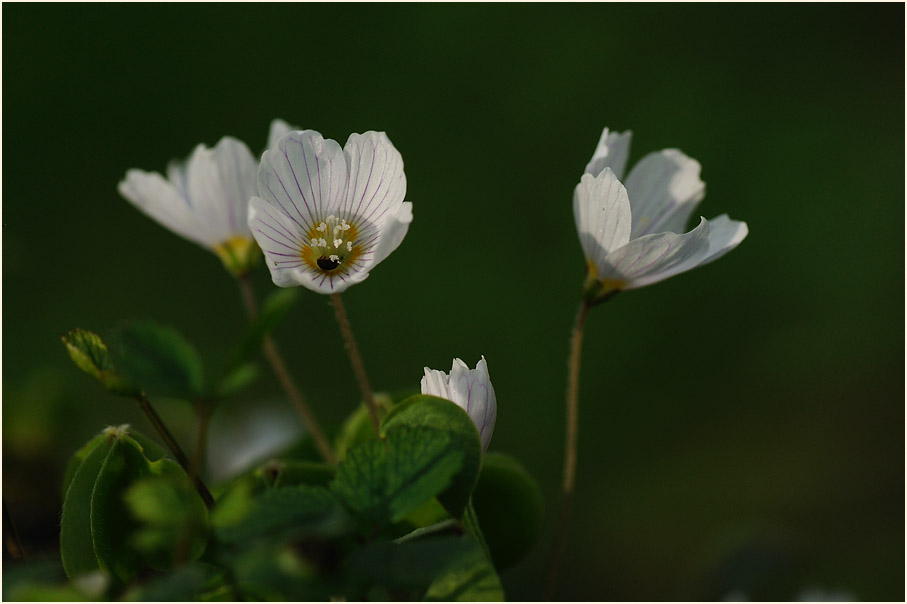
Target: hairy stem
(356, 361)
(275, 359)
(573, 364)
(174, 447)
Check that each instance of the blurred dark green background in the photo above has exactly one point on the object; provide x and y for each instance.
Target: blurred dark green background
(741, 425)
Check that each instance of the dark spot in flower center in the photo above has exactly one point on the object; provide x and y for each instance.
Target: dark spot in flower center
(326, 264)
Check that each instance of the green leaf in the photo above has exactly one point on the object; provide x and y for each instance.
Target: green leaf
(238, 379)
(150, 449)
(281, 473)
(89, 353)
(161, 360)
(173, 517)
(288, 513)
(445, 417)
(75, 462)
(76, 545)
(96, 524)
(471, 579)
(185, 584)
(111, 521)
(509, 503)
(382, 482)
(273, 310)
(410, 565)
(430, 512)
(357, 428)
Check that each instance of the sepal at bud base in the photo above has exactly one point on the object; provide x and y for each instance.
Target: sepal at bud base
(596, 291)
(240, 255)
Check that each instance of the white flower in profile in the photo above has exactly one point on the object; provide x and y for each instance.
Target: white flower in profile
(326, 216)
(470, 389)
(205, 198)
(634, 236)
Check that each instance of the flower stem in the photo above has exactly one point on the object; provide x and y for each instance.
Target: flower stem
(174, 447)
(203, 411)
(283, 376)
(573, 364)
(356, 360)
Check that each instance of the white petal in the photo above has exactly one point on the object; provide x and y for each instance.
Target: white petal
(435, 383)
(653, 258)
(156, 197)
(472, 390)
(331, 283)
(664, 190)
(220, 182)
(458, 366)
(278, 128)
(393, 231)
(238, 172)
(724, 235)
(601, 210)
(281, 241)
(305, 175)
(486, 428)
(177, 174)
(377, 184)
(612, 152)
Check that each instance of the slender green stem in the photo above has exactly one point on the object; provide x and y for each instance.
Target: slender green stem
(356, 360)
(203, 409)
(573, 364)
(431, 529)
(269, 348)
(174, 447)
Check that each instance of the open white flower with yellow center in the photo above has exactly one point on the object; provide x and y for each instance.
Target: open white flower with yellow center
(470, 389)
(326, 216)
(634, 236)
(204, 199)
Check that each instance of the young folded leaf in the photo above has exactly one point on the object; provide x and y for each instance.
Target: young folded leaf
(90, 354)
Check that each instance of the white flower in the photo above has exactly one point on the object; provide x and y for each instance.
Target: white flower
(470, 389)
(634, 236)
(326, 216)
(205, 198)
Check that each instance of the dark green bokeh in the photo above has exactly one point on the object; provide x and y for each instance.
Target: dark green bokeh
(741, 425)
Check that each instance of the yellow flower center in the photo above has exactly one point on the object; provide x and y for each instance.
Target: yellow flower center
(331, 245)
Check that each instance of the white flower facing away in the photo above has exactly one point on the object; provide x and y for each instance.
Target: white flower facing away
(470, 389)
(326, 216)
(205, 198)
(634, 235)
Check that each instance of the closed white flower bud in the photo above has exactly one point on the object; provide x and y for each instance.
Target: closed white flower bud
(470, 389)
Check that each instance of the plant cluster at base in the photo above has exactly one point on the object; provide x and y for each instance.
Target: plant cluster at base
(405, 502)
(398, 518)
